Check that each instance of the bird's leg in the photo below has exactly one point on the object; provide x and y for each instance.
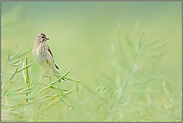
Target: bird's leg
(44, 74)
(41, 75)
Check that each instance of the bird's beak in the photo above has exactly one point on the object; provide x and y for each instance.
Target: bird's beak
(47, 38)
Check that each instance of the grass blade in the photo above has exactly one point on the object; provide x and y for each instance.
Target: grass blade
(50, 105)
(166, 91)
(13, 56)
(163, 77)
(24, 67)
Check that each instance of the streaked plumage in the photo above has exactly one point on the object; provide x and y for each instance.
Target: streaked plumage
(41, 51)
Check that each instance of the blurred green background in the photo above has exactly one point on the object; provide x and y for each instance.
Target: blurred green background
(82, 34)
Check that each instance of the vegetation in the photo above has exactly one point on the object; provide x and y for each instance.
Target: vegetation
(116, 76)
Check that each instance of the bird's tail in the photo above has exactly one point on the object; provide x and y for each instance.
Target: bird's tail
(55, 71)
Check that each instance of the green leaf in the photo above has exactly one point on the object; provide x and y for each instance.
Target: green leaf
(163, 77)
(12, 56)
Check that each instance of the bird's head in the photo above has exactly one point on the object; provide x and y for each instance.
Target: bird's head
(41, 37)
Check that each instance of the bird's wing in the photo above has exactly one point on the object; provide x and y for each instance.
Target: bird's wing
(56, 66)
(50, 56)
(50, 51)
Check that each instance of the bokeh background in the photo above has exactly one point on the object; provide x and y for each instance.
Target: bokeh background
(84, 36)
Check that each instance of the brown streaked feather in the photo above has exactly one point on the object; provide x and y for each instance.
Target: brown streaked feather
(56, 66)
(49, 51)
(42, 34)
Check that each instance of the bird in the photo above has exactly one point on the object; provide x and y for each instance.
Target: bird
(43, 55)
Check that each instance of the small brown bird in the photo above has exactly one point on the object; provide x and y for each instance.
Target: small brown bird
(41, 51)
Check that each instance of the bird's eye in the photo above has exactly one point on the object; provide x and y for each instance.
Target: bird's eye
(42, 37)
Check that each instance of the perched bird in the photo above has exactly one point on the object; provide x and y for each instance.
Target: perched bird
(41, 51)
